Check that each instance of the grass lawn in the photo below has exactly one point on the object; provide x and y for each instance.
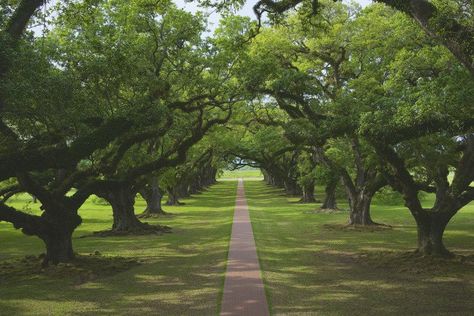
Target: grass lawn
(242, 173)
(182, 272)
(309, 269)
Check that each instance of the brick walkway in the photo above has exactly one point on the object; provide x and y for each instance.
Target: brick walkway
(243, 288)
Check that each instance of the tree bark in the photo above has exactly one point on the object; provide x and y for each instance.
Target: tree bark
(360, 208)
(122, 199)
(448, 30)
(152, 196)
(430, 229)
(308, 193)
(56, 232)
(194, 187)
(291, 187)
(58, 247)
(173, 198)
(330, 197)
(55, 227)
(182, 191)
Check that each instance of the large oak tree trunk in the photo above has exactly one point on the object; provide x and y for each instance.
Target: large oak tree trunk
(58, 247)
(430, 228)
(291, 187)
(183, 191)
(56, 232)
(360, 208)
(308, 193)
(274, 180)
(122, 199)
(330, 197)
(173, 197)
(153, 196)
(195, 187)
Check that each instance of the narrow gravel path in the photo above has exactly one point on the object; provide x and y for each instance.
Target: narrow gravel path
(243, 289)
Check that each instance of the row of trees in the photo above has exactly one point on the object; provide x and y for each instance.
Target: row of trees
(109, 99)
(371, 98)
(119, 98)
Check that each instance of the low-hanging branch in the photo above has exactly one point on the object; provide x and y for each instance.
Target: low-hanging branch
(39, 158)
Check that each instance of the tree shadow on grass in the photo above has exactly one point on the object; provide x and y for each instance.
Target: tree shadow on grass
(181, 273)
(309, 270)
(338, 285)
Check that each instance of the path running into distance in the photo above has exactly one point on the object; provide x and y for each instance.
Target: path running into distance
(243, 288)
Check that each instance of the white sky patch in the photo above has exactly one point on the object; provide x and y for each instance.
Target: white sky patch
(214, 17)
(246, 10)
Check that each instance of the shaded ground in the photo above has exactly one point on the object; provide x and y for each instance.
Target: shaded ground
(84, 268)
(311, 270)
(181, 273)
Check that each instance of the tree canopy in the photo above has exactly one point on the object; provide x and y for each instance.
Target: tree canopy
(116, 98)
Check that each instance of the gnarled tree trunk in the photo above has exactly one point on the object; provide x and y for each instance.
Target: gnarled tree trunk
(173, 197)
(56, 232)
(122, 199)
(360, 208)
(430, 229)
(308, 193)
(195, 186)
(58, 247)
(291, 187)
(330, 197)
(58, 223)
(152, 196)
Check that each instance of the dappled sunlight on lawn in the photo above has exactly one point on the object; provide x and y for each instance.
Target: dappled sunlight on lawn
(181, 272)
(310, 269)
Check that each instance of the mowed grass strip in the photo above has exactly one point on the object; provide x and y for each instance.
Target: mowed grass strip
(182, 273)
(242, 173)
(309, 269)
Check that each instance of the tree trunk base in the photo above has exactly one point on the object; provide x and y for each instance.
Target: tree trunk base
(58, 250)
(142, 229)
(177, 203)
(146, 214)
(306, 200)
(444, 253)
(358, 228)
(370, 223)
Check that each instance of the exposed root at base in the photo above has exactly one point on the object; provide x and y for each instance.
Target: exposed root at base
(154, 215)
(358, 228)
(145, 229)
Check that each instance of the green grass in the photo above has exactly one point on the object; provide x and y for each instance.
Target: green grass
(311, 270)
(307, 268)
(242, 173)
(182, 273)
